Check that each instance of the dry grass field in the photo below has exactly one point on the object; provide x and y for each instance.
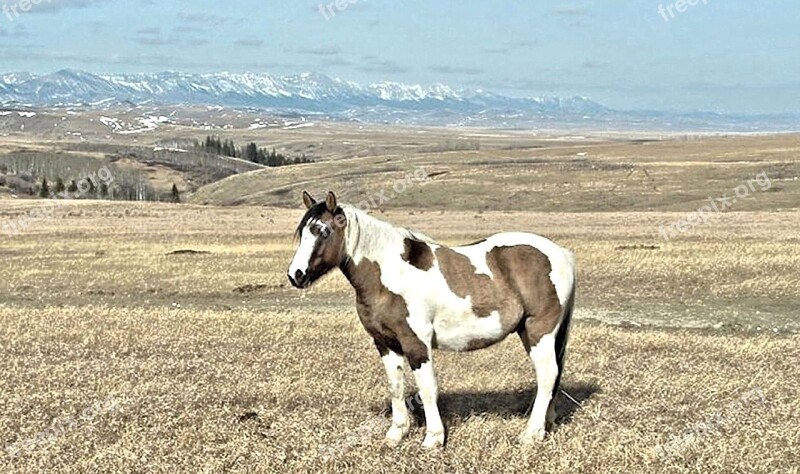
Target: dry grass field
(531, 173)
(122, 355)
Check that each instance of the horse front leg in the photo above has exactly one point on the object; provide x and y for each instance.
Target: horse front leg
(393, 363)
(416, 345)
(428, 390)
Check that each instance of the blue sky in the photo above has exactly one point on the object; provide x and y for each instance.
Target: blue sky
(717, 55)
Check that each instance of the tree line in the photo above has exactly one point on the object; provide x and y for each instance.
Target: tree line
(60, 188)
(250, 152)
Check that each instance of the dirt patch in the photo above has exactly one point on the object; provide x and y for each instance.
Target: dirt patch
(188, 252)
(250, 288)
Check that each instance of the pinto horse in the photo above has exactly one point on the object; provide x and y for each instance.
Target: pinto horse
(414, 295)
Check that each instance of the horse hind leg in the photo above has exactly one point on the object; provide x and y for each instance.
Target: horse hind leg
(543, 351)
(543, 355)
(547, 354)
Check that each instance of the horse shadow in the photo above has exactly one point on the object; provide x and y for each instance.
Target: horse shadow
(458, 406)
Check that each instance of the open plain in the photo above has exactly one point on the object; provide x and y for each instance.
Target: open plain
(154, 337)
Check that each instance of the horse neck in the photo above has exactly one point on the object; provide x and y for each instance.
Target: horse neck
(370, 238)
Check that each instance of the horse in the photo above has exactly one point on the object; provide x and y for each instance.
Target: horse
(414, 295)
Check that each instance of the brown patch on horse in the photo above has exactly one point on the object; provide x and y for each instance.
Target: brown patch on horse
(383, 313)
(520, 289)
(531, 270)
(417, 253)
(460, 275)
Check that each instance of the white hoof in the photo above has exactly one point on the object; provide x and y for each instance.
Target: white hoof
(531, 436)
(396, 434)
(433, 440)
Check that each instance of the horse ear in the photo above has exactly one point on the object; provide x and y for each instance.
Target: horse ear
(308, 200)
(330, 201)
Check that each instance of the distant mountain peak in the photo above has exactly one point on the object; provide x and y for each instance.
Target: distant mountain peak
(311, 91)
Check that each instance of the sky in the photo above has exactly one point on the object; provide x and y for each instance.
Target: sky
(730, 56)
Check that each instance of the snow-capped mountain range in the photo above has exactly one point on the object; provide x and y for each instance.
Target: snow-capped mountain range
(312, 93)
(309, 92)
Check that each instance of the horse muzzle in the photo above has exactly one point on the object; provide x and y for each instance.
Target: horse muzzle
(299, 279)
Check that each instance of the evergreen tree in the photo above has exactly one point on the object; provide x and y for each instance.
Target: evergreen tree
(176, 195)
(103, 190)
(73, 187)
(60, 188)
(44, 190)
(251, 152)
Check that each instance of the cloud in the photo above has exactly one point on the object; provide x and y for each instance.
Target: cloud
(382, 66)
(511, 46)
(155, 30)
(196, 41)
(526, 43)
(593, 64)
(570, 10)
(49, 6)
(188, 29)
(153, 36)
(459, 70)
(266, 65)
(249, 42)
(335, 62)
(95, 27)
(207, 19)
(37, 53)
(18, 31)
(321, 51)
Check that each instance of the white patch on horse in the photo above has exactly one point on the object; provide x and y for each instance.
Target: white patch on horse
(428, 390)
(451, 318)
(367, 237)
(304, 251)
(393, 363)
(456, 333)
(476, 254)
(543, 356)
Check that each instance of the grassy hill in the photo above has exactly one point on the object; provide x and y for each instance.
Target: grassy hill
(568, 176)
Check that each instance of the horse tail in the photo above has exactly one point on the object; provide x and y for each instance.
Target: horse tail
(563, 334)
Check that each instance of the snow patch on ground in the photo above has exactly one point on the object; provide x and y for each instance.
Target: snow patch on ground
(112, 123)
(297, 125)
(143, 124)
(164, 148)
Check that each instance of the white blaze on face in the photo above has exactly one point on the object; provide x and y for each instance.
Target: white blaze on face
(302, 257)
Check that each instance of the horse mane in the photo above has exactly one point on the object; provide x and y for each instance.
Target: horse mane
(366, 233)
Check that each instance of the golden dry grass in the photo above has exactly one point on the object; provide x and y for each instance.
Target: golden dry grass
(554, 176)
(190, 375)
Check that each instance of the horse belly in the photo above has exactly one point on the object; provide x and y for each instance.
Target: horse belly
(467, 332)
